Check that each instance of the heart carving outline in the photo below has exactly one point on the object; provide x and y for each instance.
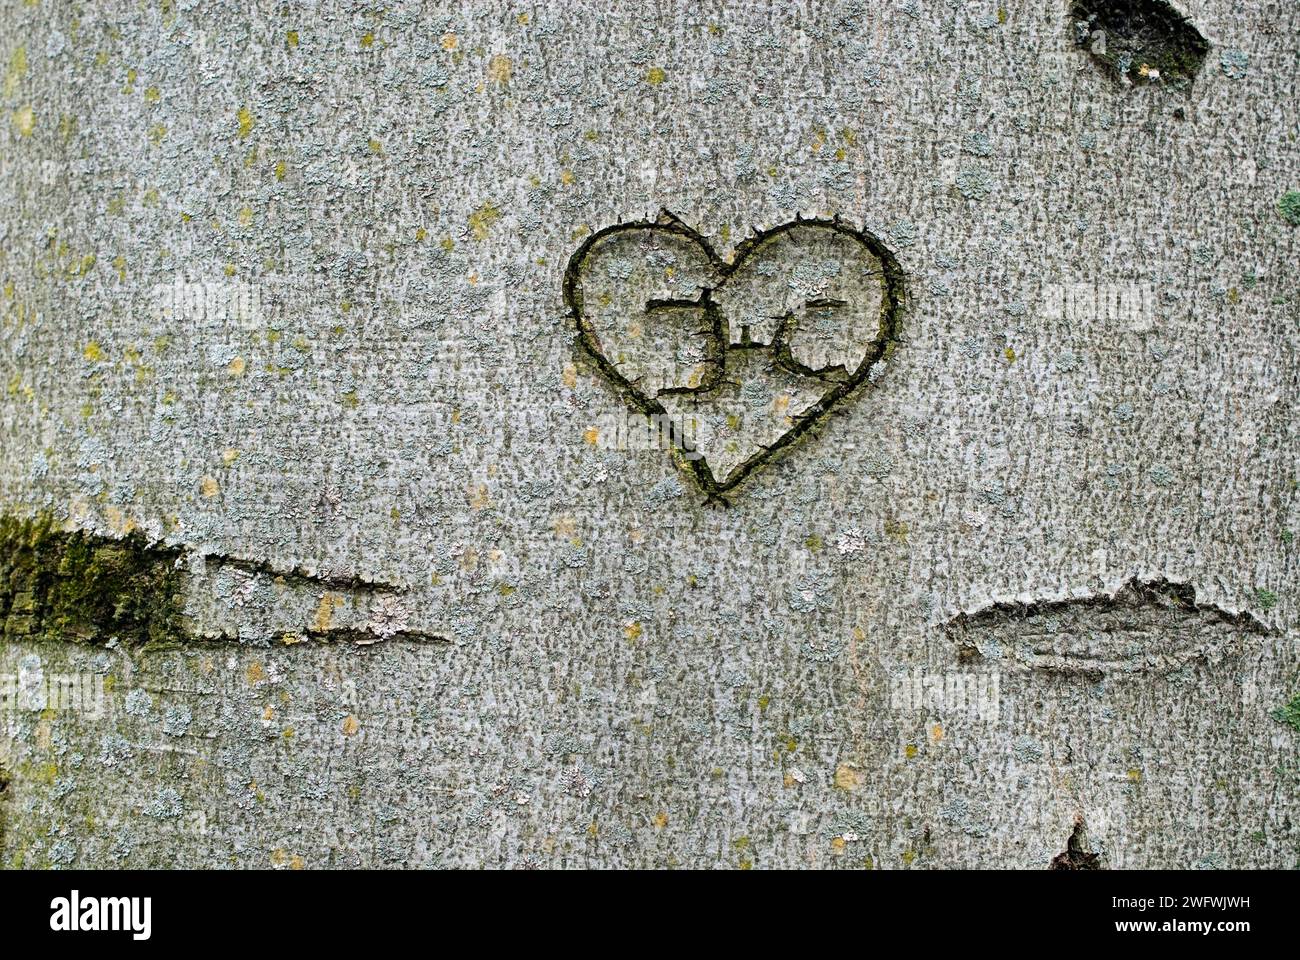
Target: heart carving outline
(892, 300)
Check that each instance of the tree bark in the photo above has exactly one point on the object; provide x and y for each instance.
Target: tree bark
(844, 435)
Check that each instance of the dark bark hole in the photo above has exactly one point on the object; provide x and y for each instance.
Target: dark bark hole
(1075, 856)
(1139, 41)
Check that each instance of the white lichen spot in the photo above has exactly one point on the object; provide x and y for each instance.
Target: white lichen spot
(388, 617)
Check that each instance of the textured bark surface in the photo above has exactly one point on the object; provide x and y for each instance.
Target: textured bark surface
(285, 346)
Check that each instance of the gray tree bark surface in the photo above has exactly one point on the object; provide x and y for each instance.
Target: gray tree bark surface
(334, 534)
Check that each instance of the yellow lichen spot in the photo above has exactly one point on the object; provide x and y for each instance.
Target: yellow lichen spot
(499, 68)
(837, 846)
(291, 39)
(482, 219)
(593, 831)
(447, 243)
(632, 632)
(936, 732)
(449, 41)
(1010, 354)
(566, 177)
(1134, 775)
(522, 19)
(591, 435)
(208, 487)
(479, 497)
(246, 121)
(661, 819)
(25, 121)
(376, 147)
(237, 367)
(897, 530)
(117, 521)
(288, 733)
(152, 95)
(847, 777)
(229, 455)
(350, 400)
(909, 856)
(278, 857)
(255, 674)
(229, 270)
(420, 234)
(14, 73)
(93, 352)
(245, 216)
(367, 41)
(910, 751)
(156, 134)
(280, 169)
(324, 616)
(655, 76)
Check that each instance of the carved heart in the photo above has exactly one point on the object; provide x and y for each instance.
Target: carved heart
(734, 361)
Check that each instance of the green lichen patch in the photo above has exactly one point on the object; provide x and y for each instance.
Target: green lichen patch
(1140, 41)
(1289, 207)
(1289, 713)
(57, 585)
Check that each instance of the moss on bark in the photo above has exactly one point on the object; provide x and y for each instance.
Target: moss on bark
(78, 586)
